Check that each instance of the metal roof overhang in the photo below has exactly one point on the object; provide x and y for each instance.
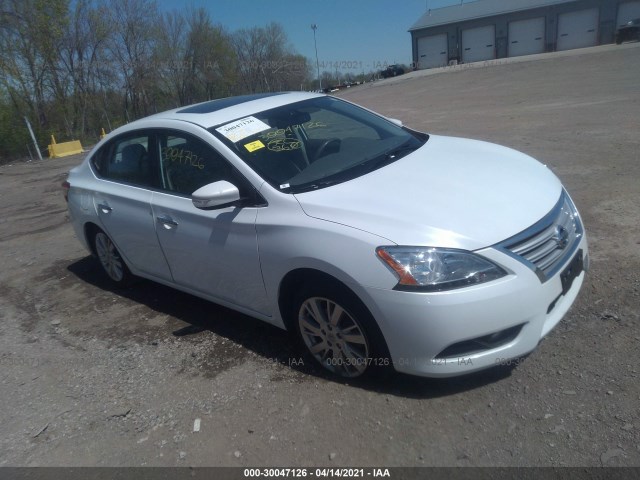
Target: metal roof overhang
(478, 9)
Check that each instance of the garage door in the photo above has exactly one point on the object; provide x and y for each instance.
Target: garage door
(628, 11)
(432, 51)
(526, 37)
(578, 29)
(478, 44)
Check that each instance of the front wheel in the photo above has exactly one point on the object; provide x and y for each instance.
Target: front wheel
(339, 332)
(111, 260)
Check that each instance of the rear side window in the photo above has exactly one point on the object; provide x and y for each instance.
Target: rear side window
(127, 160)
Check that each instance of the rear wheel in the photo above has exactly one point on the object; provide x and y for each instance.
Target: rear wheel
(111, 260)
(338, 332)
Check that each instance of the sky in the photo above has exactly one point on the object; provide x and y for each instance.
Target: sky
(353, 36)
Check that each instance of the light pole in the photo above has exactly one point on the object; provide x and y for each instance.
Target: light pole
(314, 27)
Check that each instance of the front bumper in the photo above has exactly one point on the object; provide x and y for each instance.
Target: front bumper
(426, 333)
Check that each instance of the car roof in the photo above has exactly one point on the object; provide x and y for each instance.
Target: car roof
(220, 111)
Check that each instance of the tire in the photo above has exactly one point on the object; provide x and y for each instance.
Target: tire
(338, 332)
(110, 260)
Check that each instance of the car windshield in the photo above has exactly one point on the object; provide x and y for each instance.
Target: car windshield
(317, 143)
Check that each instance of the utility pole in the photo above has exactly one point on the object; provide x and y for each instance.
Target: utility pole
(314, 27)
(33, 137)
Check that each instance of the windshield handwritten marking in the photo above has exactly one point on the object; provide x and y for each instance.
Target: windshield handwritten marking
(283, 144)
(281, 132)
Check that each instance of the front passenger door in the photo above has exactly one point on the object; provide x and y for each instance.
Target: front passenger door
(214, 252)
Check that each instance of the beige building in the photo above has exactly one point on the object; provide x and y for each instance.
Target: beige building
(488, 29)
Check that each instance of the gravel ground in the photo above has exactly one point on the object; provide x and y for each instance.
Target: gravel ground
(96, 377)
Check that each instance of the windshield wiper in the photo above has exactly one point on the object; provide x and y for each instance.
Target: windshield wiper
(391, 157)
(401, 151)
(364, 167)
(314, 186)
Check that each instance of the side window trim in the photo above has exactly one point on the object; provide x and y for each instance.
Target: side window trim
(156, 180)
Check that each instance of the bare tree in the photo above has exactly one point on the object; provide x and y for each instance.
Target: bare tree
(75, 65)
(210, 58)
(131, 47)
(195, 58)
(267, 61)
(168, 59)
(29, 42)
(82, 57)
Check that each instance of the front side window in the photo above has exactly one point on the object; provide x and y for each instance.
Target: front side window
(126, 159)
(316, 143)
(187, 163)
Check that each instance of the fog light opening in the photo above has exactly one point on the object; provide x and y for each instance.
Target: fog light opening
(480, 344)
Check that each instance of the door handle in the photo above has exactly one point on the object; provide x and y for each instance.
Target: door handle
(167, 221)
(104, 207)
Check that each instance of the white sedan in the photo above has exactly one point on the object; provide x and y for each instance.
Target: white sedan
(378, 245)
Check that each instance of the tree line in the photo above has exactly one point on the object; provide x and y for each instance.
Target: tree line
(75, 67)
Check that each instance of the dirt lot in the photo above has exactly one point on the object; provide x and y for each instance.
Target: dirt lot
(92, 376)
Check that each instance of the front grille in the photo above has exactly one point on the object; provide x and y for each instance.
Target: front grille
(548, 244)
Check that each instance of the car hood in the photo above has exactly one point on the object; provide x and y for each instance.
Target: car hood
(452, 192)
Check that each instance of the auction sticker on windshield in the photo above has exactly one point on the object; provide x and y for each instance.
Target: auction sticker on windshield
(243, 128)
(253, 146)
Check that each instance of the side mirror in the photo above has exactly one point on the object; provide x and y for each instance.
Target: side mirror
(215, 194)
(396, 121)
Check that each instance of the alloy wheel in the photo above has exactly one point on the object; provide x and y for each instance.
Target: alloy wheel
(333, 337)
(109, 257)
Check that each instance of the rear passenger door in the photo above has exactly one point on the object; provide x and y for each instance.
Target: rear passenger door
(128, 169)
(214, 252)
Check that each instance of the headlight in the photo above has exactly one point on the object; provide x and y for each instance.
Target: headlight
(436, 269)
